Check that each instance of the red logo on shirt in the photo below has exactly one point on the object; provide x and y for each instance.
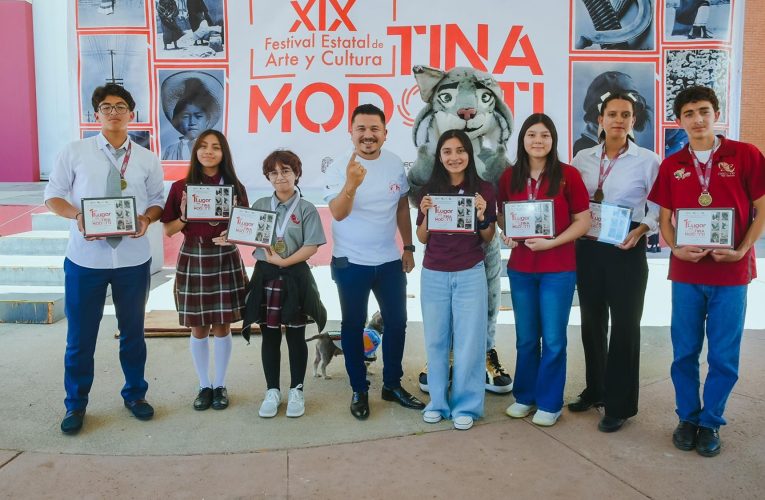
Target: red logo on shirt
(726, 170)
(681, 174)
(394, 187)
(294, 219)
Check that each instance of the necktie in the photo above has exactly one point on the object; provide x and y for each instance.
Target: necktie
(114, 190)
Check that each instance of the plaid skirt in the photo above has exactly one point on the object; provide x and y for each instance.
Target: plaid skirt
(210, 284)
(272, 306)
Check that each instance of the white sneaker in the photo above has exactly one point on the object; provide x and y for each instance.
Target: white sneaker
(432, 417)
(270, 404)
(296, 402)
(518, 410)
(463, 422)
(545, 418)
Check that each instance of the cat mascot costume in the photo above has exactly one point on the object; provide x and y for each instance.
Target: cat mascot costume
(468, 100)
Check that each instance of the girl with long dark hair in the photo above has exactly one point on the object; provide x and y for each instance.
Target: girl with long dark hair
(210, 280)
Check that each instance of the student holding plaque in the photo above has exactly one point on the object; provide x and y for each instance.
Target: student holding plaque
(612, 278)
(282, 290)
(542, 271)
(709, 286)
(106, 165)
(453, 285)
(210, 280)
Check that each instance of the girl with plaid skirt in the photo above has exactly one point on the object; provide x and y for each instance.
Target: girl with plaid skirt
(282, 289)
(210, 280)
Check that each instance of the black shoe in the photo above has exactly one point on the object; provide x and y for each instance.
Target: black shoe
(708, 442)
(403, 398)
(204, 399)
(220, 398)
(72, 422)
(583, 403)
(684, 437)
(423, 380)
(360, 405)
(140, 409)
(610, 424)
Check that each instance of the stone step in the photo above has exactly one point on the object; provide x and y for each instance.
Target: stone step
(35, 243)
(48, 221)
(38, 308)
(41, 270)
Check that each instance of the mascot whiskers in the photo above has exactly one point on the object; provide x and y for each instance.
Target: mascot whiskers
(472, 101)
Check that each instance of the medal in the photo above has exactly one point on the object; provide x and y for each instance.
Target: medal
(705, 199)
(214, 223)
(280, 246)
(123, 184)
(598, 196)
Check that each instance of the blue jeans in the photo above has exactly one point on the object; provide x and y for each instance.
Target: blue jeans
(388, 283)
(454, 314)
(541, 304)
(85, 294)
(723, 308)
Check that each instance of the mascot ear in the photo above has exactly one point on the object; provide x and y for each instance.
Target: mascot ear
(427, 79)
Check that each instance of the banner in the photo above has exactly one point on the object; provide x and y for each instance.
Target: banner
(288, 73)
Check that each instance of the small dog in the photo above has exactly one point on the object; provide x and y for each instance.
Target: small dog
(328, 345)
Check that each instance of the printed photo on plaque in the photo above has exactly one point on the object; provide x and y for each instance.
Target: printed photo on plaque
(109, 216)
(452, 214)
(205, 202)
(248, 226)
(610, 223)
(704, 227)
(529, 219)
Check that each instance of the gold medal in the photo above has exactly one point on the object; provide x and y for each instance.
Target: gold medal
(280, 246)
(705, 199)
(598, 196)
(123, 184)
(214, 223)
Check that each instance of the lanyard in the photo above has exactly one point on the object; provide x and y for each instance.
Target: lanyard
(704, 178)
(532, 194)
(283, 227)
(604, 173)
(125, 159)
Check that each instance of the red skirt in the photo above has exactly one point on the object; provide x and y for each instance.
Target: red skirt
(210, 284)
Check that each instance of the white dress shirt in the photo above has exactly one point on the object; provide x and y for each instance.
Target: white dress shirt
(629, 182)
(80, 172)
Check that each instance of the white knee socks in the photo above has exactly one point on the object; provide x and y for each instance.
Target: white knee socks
(200, 354)
(222, 357)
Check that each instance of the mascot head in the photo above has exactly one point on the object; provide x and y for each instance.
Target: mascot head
(463, 99)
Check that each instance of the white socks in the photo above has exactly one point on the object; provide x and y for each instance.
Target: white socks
(200, 354)
(222, 357)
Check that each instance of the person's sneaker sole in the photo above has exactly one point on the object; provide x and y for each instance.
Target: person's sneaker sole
(510, 412)
(432, 417)
(463, 426)
(293, 414)
(499, 389)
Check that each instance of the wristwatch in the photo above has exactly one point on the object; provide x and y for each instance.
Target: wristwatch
(409, 247)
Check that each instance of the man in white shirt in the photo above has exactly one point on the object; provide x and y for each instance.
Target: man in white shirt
(366, 190)
(83, 170)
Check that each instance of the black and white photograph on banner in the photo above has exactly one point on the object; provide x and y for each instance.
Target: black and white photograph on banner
(700, 20)
(592, 79)
(675, 139)
(685, 68)
(190, 101)
(189, 29)
(140, 137)
(120, 59)
(111, 13)
(614, 25)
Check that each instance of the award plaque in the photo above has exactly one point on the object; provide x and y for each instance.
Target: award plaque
(704, 227)
(610, 222)
(529, 219)
(452, 214)
(249, 226)
(209, 202)
(109, 216)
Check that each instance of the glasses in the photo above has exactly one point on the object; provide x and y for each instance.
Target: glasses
(274, 174)
(106, 109)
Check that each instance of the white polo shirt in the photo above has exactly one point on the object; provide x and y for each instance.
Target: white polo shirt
(80, 172)
(629, 182)
(368, 235)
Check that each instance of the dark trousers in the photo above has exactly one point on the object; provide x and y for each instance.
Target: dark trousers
(612, 282)
(388, 283)
(271, 356)
(85, 294)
